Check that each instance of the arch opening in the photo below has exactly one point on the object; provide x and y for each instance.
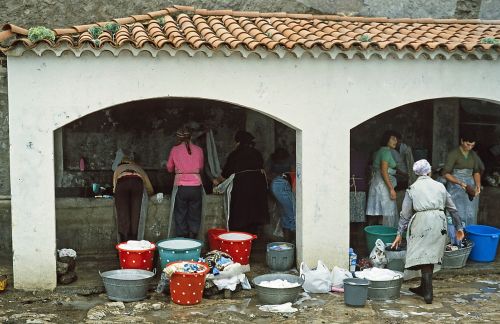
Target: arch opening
(147, 129)
(429, 129)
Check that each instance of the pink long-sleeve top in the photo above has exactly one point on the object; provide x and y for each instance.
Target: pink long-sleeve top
(187, 167)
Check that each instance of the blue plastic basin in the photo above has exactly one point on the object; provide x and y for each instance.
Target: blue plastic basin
(178, 249)
(485, 240)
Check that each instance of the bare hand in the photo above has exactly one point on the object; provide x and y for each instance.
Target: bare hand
(478, 190)
(393, 194)
(215, 182)
(397, 241)
(459, 235)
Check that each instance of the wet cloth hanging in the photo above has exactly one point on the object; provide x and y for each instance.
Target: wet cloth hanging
(212, 156)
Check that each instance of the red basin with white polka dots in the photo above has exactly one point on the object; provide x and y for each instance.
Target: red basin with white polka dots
(187, 288)
(136, 259)
(237, 244)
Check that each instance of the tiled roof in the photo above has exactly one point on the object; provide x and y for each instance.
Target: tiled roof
(210, 31)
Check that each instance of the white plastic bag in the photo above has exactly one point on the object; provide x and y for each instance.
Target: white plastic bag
(377, 256)
(338, 276)
(317, 280)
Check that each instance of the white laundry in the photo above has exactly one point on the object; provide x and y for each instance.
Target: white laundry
(231, 282)
(136, 245)
(282, 308)
(278, 283)
(67, 253)
(378, 274)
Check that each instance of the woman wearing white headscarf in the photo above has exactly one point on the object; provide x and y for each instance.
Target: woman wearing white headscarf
(423, 216)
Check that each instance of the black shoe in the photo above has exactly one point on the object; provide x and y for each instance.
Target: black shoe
(427, 287)
(417, 291)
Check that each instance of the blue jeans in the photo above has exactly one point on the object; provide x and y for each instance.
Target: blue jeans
(282, 191)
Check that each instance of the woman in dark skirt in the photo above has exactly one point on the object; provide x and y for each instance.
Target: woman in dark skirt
(248, 206)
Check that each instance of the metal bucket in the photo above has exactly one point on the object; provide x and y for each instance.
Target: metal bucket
(280, 260)
(126, 284)
(456, 259)
(274, 296)
(396, 258)
(355, 291)
(385, 289)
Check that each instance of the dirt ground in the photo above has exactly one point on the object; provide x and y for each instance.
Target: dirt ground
(468, 295)
(463, 298)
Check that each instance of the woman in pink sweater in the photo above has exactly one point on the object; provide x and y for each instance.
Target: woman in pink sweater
(186, 160)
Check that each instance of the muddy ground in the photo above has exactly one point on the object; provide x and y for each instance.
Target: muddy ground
(458, 298)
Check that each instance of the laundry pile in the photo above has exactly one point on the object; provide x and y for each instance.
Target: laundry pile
(185, 267)
(378, 274)
(279, 283)
(133, 245)
(224, 273)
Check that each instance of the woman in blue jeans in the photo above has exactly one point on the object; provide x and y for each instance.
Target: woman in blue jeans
(281, 187)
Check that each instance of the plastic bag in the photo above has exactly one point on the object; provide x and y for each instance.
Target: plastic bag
(338, 276)
(317, 280)
(377, 256)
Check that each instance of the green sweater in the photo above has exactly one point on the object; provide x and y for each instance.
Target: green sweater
(456, 160)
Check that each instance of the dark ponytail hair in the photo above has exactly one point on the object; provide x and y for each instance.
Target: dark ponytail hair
(184, 136)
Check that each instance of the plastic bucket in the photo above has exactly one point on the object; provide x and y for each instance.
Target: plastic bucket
(136, 259)
(178, 249)
(187, 288)
(456, 259)
(126, 284)
(238, 245)
(213, 242)
(355, 291)
(485, 240)
(280, 260)
(385, 233)
(274, 296)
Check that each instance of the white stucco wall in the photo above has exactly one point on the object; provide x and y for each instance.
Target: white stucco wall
(322, 98)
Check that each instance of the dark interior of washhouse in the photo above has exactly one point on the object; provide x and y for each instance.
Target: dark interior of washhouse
(430, 128)
(146, 129)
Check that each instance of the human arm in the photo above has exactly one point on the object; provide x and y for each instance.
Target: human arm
(384, 171)
(455, 217)
(170, 162)
(404, 218)
(477, 181)
(147, 184)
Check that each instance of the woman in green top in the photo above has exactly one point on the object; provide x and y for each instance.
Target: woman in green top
(462, 169)
(381, 204)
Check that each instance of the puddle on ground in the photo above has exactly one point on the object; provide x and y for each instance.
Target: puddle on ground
(463, 299)
(394, 313)
(489, 290)
(82, 303)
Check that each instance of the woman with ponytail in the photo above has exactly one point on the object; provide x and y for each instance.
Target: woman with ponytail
(186, 160)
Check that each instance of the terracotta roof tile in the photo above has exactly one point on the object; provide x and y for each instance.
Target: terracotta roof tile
(217, 29)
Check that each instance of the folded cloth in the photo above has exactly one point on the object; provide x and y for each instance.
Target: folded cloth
(471, 192)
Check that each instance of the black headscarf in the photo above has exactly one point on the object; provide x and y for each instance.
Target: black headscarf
(244, 138)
